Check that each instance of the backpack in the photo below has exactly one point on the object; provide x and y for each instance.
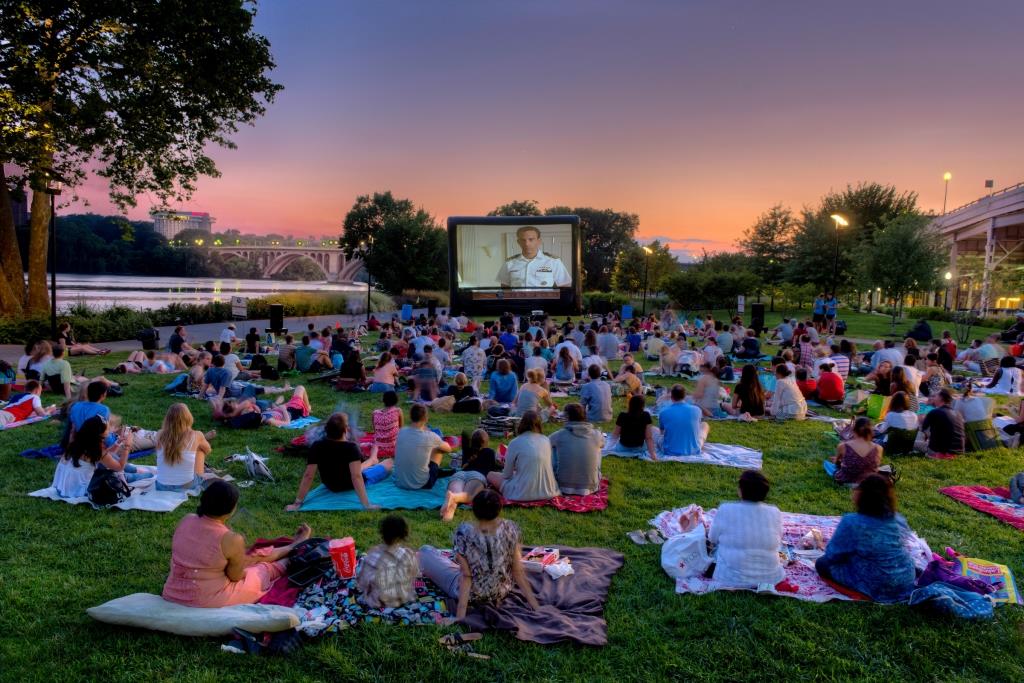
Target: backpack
(308, 561)
(106, 488)
(268, 372)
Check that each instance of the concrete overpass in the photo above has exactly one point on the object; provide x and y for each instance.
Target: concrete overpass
(273, 259)
(992, 226)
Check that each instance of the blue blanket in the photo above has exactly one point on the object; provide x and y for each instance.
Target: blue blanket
(55, 452)
(385, 494)
(301, 423)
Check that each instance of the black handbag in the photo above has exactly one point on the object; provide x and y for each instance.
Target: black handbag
(106, 488)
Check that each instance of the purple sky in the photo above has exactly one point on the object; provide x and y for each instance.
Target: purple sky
(696, 116)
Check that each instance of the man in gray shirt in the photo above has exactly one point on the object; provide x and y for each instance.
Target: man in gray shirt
(418, 453)
(576, 454)
(596, 396)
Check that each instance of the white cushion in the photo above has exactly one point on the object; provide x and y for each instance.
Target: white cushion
(145, 610)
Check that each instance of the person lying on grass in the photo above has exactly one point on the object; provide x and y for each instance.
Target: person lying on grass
(488, 559)
(339, 463)
(28, 405)
(250, 413)
(866, 552)
(219, 383)
(209, 563)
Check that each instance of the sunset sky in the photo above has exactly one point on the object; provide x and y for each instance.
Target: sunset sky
(697, 116)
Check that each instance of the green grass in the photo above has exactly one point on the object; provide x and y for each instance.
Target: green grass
(56, 560)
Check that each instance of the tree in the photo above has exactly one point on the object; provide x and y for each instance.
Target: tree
(905, 257)
(867, 208)
(519, 207)
(769, 242)
(631, 263)
(604, 233)
(138, 89)
(709, 286)
(400, 244)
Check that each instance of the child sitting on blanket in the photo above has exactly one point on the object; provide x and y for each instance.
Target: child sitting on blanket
(387, 572)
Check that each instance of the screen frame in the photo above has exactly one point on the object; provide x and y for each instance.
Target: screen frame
(570, 299)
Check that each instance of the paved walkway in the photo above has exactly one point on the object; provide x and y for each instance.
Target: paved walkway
(200, 333)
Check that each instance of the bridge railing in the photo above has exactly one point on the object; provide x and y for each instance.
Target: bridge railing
(986, 198)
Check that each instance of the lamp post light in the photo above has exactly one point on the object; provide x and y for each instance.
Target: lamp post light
(840, 221)
(363, 246)
(54, 186)
(647, 262)
(948, 277)
(946, 177)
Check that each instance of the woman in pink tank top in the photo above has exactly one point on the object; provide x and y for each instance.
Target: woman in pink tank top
(209, 565)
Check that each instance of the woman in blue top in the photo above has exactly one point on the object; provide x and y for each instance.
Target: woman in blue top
(502, 386)
(866, 552)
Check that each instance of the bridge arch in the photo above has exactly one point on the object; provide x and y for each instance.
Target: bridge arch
(273, 259)
(282, 261)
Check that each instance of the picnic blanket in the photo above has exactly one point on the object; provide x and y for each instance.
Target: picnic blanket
(332, 605)
(571, 608)
(995, 502)
(26, 421)
(55, 452)
(800, 571)
(301, 423)
(726, 455)
(144, 497)
(385, 493)
(591, 503)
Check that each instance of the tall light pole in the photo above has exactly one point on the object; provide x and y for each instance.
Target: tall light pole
(54, 185)
(945, 299)
(946, 177)
(647, 262)
(369, 288)
(840, 221)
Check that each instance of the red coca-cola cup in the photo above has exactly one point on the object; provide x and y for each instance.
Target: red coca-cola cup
(343, 555)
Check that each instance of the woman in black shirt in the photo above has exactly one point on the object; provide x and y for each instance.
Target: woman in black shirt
(633, 430)
(748, 396)
(477, 461)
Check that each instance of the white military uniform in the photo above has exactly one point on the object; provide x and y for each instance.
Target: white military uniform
(540, 271)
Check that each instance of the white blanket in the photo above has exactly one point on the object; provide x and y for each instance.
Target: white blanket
(726, 455)
(144, 497)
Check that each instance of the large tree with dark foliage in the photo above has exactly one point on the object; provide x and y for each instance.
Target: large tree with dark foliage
(138, 90)
(400, 244)
(604, 233)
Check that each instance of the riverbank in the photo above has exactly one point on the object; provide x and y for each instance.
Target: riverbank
(200, 333)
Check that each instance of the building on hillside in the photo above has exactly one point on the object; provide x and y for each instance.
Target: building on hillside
(170, 223)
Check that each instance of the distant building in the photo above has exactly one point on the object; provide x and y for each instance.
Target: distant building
(170, 223)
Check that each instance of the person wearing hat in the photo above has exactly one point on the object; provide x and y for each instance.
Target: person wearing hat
(532, 267)
(228, 334)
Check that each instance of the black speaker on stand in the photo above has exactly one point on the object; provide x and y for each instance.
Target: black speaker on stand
(276, 319)
(757, 317)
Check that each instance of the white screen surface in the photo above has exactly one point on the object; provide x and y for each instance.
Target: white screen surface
(511, 256)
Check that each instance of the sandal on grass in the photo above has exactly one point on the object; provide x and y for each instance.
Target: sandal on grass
(654, 536)
(637, 537)
(458, 643)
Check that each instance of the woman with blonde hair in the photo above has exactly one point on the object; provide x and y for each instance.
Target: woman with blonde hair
(180, 451)
(42, 352)
(533, 395)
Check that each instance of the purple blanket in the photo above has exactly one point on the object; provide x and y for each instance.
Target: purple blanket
(572, 607)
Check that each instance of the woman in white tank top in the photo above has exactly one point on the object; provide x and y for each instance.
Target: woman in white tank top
(180, 452)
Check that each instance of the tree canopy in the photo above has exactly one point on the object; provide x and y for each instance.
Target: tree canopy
(632, 263)
(138, 90)
(400, 244)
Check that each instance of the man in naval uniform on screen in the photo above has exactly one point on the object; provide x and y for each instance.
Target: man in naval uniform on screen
(533, 268)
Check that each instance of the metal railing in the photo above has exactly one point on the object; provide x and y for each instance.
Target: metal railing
(987, 197)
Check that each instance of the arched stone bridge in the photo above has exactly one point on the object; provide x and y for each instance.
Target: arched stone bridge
(272, 260)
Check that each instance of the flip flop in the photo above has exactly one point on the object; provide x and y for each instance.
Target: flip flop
(454, 639)
(655, 537)
(637, 537)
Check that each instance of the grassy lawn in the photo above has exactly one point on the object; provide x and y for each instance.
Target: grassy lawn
(56, 560)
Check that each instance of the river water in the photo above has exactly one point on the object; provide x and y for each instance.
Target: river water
(104, 291)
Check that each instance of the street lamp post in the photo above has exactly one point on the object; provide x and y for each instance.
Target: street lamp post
(647, 263)
(54, 185)
(945, 299)
(946, 177)
(369, 281)
(840, 221)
